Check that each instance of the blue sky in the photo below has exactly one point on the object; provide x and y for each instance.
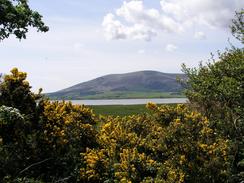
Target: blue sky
(92, 38)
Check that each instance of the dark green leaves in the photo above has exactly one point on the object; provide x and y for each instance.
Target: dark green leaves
(238, 26)
(16, 17)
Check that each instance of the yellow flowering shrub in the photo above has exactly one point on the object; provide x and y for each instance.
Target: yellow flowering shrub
(173, 144)
(121, 153)
(15, 92)
(64, 123)
(192, 149)
(67, 130)
(134, 166)
(128, 166)
(62, 142)
(97, 165)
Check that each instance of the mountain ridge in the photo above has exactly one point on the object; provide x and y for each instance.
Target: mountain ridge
(146, 81)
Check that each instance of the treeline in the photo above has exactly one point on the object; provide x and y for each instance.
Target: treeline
(203, 141)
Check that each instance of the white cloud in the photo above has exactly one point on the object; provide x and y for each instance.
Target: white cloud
(171, 48)
(200, 35)
(139, 22)
(134, 21)
(215, 14)
(114, 29)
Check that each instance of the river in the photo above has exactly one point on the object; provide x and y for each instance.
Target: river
(130, 101)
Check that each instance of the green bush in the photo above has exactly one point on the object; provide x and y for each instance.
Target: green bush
(217, 91)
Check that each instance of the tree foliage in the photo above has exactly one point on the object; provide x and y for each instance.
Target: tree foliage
(217, 91)
(16, 17)
(237, 27)
(217, 88)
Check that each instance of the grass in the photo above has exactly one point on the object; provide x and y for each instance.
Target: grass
(119, 110)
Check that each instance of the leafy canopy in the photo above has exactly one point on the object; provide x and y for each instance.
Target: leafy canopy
(238, 26)
(216, 89)
(16, 17)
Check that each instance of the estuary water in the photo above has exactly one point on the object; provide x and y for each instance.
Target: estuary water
(130, 101)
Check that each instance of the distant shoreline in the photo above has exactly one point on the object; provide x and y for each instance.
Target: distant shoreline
(128, 101)
(121, 95)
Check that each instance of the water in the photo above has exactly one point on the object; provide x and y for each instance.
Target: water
(130, 101)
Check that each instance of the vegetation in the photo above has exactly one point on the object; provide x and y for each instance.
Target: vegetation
(46, 141)
(217, 91)
(172, 145)
(38, 138)
(119, 110)
(238, 26)
(63, 142)
(16, 17)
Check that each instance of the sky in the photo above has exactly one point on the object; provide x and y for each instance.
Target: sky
(88, 39)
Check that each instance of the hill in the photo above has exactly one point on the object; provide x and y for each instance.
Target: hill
(141, 84)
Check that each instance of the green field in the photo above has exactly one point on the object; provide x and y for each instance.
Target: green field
(119, 110)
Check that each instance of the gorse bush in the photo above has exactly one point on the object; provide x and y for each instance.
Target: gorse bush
(173, 145)
(66, 131)
(40, 138)
(65, 123)
(15, 92)
(47, 141)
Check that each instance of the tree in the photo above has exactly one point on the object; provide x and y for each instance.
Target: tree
(237, 27)
(217, 91)
(16, 17)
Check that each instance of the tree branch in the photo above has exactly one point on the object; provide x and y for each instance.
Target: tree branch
(34, 164)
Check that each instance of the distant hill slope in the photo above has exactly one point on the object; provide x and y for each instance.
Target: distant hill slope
(142, 84)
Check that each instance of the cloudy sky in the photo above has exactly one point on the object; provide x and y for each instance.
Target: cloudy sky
(92, 38)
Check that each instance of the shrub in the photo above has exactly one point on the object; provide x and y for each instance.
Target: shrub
(67, 130)
(173, 145)
(216, 90)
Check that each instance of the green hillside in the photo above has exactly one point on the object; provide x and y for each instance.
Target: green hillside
(142, 84)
